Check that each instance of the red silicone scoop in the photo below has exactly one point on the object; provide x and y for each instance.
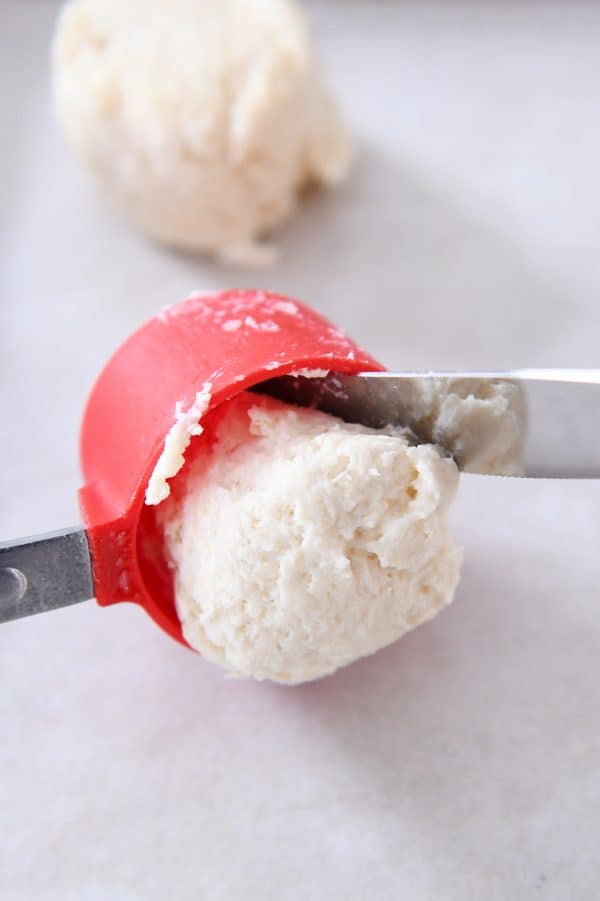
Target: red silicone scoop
(230, 342)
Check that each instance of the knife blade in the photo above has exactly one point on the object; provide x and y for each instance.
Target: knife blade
(540, 423)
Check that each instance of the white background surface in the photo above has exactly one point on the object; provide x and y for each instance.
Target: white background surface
(462, 763)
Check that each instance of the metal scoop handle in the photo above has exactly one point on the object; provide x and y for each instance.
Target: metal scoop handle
(44, 573)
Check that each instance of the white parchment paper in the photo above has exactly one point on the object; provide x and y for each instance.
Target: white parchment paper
(463, 763)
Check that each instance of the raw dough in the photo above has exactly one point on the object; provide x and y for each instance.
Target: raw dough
(204, 119)
(300, 543)
(482, 421)
(185, 427)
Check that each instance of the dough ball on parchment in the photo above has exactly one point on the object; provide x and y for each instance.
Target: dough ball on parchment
(204, 119)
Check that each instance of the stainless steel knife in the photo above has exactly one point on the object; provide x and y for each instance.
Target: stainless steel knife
(551, 416)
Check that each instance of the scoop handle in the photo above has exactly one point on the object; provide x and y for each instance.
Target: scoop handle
(43, 573)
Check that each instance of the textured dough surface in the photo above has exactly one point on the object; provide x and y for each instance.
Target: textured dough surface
(485, 426)
(300, 543)
(483, 422)
(204, 119)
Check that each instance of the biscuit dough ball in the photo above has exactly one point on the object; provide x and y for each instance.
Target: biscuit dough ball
(300, 543)
(204, 119)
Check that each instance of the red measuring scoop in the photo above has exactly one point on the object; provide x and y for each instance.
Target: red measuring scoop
(215, 345)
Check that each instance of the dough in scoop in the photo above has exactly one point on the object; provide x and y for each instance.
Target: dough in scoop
(300, 543)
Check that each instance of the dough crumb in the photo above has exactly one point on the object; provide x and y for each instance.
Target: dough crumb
(186, 425)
